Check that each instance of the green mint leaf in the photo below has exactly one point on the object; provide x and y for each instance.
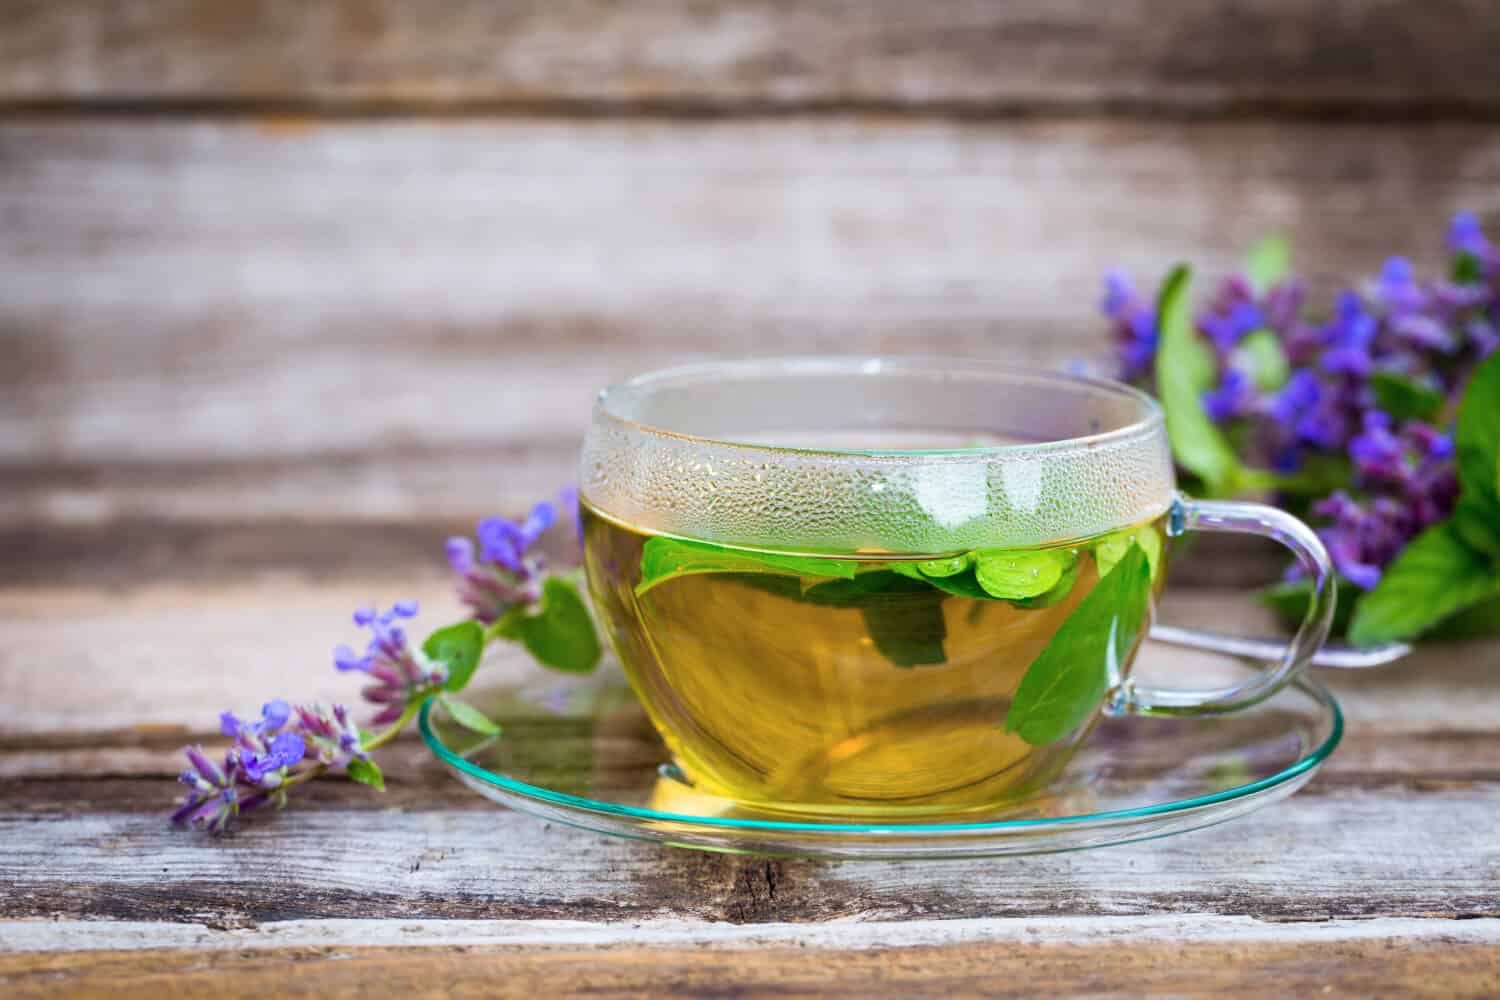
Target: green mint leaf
(1270, 261)
(1483, 619)
(1289, 600)
(561, 633)
(1262, 354)
(902, 612)
(1110, 549)
(1404, 398)
(457, 647)
(945, 567)
(470, 717)
(1466, 268)
(1060, 590)
(1069, 678)
(1185, 368)
(1013, 574)
(1479, 527)
(366, 772)
(959, 584)
(664, 559)
(909, 630)
(1435, 577)
(1478, 437)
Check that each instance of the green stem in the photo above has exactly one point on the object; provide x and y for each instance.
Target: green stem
(389, 733)
(302, 776)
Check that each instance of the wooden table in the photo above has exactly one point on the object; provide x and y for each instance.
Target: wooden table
(1382, 877)
(289, 291)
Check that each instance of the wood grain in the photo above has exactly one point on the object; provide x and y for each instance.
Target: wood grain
(385, 319)
(759, 54)
(1391, 967)
(1346, 853)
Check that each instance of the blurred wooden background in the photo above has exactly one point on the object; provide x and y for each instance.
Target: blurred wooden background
(277, 274)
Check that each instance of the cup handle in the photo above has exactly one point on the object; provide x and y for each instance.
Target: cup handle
(1234, 516)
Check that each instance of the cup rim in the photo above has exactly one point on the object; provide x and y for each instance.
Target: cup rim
(1151, 419)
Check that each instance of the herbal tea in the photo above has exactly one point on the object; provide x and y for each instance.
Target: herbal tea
(873, 684)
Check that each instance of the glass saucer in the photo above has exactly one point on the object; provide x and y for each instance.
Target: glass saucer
(579, 750)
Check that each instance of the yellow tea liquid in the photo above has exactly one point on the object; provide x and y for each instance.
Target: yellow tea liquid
(875, 692)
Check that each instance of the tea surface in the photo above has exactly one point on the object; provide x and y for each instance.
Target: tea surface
(871, 684)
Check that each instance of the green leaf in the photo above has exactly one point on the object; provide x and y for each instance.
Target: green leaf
(1059, 591)
(664, 559)
(1478, 437)
(366, 772)
(1185, 368)
(470, 717)
(1481, 620)
(561, 633)
(902, 612)
(458, 647)
(1069, 678)
(1435, 577)
(947, 566)
(959, 584)
(1109, 550)
(1404, 398)
(1479, 527)
(1261, 351)
(1466, 268)
(908, 631)
(1012, 574)
(1270, 261)
(1289, 601)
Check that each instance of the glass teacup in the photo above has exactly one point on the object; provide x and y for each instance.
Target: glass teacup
(893, 587)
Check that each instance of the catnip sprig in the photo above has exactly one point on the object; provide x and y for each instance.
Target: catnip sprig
(513, 594)
(1348, 416)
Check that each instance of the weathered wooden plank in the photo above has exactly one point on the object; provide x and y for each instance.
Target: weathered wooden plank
(120, 936)
(757, 53)
(1344, 854)
(1389, 967)
(386, 319)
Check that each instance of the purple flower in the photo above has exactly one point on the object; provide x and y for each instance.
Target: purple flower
(504, 572)
(1362, 538)
(1349, 337)
(212, 799)
(267, 768)
(334, 739)
(1425, 333)
(1377, 453)
(1229, 329)
(254, 770)
(1233, 397)
(1466, 236)
(567, 499)
(1282, 305)
(1134, 322)
(402, 673)
(1397, 287)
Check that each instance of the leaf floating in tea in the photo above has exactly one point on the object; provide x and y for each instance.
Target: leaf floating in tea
(945, 567)
(1112, 548)
(1014, 574)
(664, 559)
(902, 614)
(1060, 590)
(1066, 682)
